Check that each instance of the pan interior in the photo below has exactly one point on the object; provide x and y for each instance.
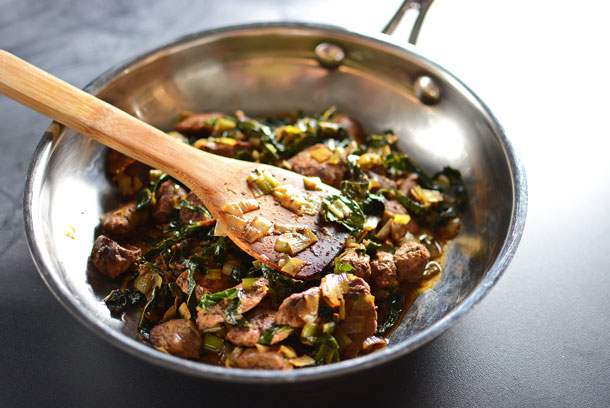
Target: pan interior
(272, 70)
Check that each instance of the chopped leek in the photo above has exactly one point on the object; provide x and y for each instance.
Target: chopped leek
(292, 243)
(248, 283)
(302, 361)
(257, 228)
(321, 154)
(293, 266)
(310, 333)
(261, 182)
(312, 183)
(211, 300)
(240, 208)
(296, 201)
(425, 196)
(212, 343)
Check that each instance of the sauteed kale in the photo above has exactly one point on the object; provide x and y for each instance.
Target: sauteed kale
(199, 296)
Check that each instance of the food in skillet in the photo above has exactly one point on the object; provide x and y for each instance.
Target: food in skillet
(201, 297)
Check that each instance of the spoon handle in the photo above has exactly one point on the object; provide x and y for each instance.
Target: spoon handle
(105, 123)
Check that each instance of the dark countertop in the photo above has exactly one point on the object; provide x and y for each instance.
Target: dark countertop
(540, 338)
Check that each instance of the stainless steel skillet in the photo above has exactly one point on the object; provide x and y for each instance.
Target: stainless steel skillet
(265, 68)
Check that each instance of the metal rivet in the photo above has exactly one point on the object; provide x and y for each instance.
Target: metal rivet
(427, 90)
(329, 55)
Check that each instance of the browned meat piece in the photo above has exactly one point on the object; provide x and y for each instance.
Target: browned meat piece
(331, 174)
(197, 123)
(116, 161)
(203, 285)
(299, 308)
(393, 207)
(383, 270)
(222, 149)
(248, 299)
(177, 338)
(187, 215)
(123, 220)
(360, 262)
(379, 181)
(360, 317)
(411, 259)
(111, 259)
(259, 321)
(210, 318)
(266, 360)
(407, 184)
(168, 195)
(354, 129)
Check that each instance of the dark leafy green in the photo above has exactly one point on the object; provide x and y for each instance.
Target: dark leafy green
(176, 236)
(232, 315)
(402, 162)
(160, 299)
(354, 222)
(194, 264)
(117, 301)
(394, 306)
(198, 208)
(145, 195)
(327, 349)
(268, 334)
(283, 285)
(209, 301)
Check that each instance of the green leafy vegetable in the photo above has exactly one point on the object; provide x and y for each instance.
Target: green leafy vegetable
(373, 204)
(283, 285)
(327, 349)
(394, 306)
(197, 208)
(268, 334)
(232, 315)
(218, 250)
(117, 302)
(177, 236)
(353, 219)
(193, 265)
(209, 301)
(145, 195)
(341, 267)
(402, 162)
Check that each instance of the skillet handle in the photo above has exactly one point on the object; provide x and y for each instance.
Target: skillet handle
(420, 6)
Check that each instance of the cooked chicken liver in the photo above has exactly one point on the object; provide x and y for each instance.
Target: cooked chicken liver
(360, 262)
(266, 360)
(111, 259)
(168, 195)
(331, 174)
(177, 338)
(383, 270)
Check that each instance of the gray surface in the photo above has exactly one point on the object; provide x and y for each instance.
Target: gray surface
(539, 339)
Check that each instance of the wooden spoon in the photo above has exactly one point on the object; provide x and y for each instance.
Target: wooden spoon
(216, 180)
